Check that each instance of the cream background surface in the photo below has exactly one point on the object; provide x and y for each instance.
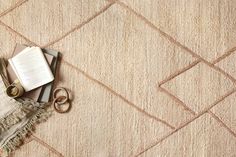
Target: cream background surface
(148, 77)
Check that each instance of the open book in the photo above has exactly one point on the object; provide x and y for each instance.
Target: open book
(31, 68)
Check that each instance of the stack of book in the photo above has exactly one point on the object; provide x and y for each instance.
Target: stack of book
(35, 69)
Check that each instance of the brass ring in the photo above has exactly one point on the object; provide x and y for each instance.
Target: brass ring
(15, 90)
(57, 103)
(58, 90)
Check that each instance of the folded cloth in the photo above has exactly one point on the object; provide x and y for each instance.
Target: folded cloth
(17, 118)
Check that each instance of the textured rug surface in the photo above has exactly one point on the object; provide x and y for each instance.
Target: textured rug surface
(150, 77)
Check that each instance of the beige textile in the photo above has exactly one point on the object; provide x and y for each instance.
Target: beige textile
(150, 78)
(6, 104)
(17, 119)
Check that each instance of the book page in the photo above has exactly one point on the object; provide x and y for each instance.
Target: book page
(31, 68)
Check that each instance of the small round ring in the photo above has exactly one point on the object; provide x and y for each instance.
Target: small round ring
(65, 91)
(15, 90)
(57, 102)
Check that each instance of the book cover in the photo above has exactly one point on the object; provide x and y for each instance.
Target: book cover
(47, 89)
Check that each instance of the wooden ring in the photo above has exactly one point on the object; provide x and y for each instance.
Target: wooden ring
(57, 103)
(58, 90)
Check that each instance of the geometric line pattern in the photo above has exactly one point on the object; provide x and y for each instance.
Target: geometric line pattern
(159, 84)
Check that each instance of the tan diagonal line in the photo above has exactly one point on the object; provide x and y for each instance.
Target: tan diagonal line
(186, 123)
(195, 55)
(119, 95)
(222, 123)
(13, 7)
(177, 100)
(191, 111)
(171, 39)
(46, 145)
(95, 80)
(178, 72)
(76, 67)
(82, 24)
(226, 54)
(19, 34)
(195, 63)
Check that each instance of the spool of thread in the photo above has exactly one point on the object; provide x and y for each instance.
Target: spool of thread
(15, 90)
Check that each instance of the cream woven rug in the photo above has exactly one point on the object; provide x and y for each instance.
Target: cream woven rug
(151, 77)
